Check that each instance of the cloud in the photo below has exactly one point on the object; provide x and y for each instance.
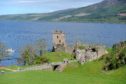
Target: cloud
(26, 1)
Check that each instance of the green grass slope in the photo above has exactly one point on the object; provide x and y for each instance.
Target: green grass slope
(89, 73)
(105, 11)
(57, 56)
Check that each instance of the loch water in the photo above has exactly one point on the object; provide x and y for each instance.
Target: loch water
(16, 34)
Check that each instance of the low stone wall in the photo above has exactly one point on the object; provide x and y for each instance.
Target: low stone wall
(37, 67)
(55, 66)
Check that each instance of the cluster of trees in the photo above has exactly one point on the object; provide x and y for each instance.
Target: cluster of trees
(3, 52)
(116, 57)
(33, 54)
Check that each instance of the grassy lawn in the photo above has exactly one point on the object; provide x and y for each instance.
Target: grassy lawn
(57, 56)
(89, 73)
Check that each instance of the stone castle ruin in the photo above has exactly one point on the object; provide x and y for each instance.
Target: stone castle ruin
(82, 55)
(59, 44)
(89, 53)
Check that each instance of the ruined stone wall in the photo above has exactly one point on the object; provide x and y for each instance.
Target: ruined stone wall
(89, 53)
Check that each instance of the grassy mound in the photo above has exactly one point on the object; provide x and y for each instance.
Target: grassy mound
(89, 73)
(57, 56)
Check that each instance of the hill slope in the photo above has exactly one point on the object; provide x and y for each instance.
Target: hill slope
(89, 73)
(105, 11)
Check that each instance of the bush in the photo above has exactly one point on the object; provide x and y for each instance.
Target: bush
(40, 60)
(117, 57)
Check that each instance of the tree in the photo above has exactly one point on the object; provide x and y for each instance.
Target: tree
(32, 54)
(41, 47)
(3, 52)
(27, 55)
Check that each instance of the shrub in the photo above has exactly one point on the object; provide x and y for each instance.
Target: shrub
(40, 60)
(117, 57)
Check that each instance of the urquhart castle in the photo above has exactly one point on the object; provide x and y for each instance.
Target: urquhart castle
(82, 53)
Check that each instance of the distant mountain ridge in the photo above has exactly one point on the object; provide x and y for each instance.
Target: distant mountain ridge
(105, 11)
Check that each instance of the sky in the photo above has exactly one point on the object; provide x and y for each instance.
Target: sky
(40, 6)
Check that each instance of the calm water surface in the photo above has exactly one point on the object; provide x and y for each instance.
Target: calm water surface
(17, 34)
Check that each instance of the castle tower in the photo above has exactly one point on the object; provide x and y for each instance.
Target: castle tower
(59, 43)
